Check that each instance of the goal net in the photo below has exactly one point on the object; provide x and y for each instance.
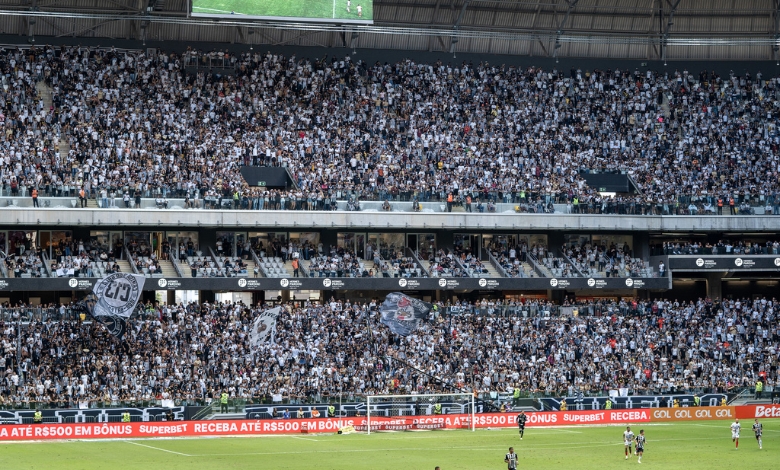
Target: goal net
(419, 412)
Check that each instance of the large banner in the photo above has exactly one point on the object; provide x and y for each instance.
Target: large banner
(403, 314)
(264, 327)
(724, 262)
(312, 425)
(345, 283)
(117, 295)
(758, 411)
(693, 413)
(246, 427)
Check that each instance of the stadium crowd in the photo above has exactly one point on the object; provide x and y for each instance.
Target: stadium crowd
(139, 124)
(195, 352)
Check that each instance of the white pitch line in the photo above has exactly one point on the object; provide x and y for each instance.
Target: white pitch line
(159, 448)
(305, 438)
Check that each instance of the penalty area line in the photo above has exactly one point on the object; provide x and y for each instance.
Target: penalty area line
(159, 448)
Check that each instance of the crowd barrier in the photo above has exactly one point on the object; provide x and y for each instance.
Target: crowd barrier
(327, 425)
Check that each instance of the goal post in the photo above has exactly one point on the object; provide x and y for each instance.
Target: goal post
(420, 405)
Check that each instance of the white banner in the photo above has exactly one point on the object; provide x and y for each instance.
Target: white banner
(117, 294)
(264, 327)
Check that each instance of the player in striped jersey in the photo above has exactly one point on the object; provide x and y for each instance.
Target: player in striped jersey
(758, 429)
(735, 427)
(628, 440)
(640, 444)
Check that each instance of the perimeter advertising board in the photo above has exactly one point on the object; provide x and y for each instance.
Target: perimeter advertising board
(246, 427)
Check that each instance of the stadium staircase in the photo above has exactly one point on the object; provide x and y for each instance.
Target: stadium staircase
(493, 272)
(748, 397)
(167, 269)
(124, 265)
(63, 147)
(215, 416)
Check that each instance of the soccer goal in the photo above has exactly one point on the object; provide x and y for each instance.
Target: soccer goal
(417, 412)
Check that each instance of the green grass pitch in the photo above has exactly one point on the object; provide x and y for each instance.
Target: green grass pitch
(686, 446)
(320, 9)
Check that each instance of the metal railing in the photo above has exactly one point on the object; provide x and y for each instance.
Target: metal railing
(494, 262)
(413, 254)
(130, 260)
(259, 266)
(176, 266)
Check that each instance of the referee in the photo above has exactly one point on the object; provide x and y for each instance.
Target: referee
(511, 459)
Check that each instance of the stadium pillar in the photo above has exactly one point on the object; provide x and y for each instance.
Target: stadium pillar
(556, 295)
(641, 245)
(715, 285)
(258, 297)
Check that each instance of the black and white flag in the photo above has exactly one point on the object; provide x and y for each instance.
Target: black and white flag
(117, 294)
(264, 327)
(403, 314)
(113, 300)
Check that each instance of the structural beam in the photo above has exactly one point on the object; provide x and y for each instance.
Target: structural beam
(776, 35)
(668, 27)
(562, 24)
(455, 27)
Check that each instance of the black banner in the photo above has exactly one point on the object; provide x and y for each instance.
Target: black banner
(403, 314)
(724, 263)
(231, 284)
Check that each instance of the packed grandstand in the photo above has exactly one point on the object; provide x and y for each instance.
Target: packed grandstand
(138, 125)
(125, 125)
(193, 353)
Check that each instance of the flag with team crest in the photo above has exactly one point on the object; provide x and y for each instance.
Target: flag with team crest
(113, 300)
(403, 314)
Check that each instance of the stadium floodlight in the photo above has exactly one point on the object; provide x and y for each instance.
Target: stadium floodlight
(420, 406)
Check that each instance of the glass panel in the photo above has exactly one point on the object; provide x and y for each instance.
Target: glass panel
(360, 245)
(225, 243)
(306, 244)
(99, 238)
(576, 240)
(19, 242)
(139, 243)
(620, 242)
(499, 243)
(268, 244)
(46, 243)
(117, 245)
(534, 239)
(387, 243)
(183, 244)
(346, 240)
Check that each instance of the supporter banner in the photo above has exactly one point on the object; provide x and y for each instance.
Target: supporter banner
(758, 411)
(403, 314)
(724, 262)
(693, 413)
(620, 399)
(330, 283)
(264, 326)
